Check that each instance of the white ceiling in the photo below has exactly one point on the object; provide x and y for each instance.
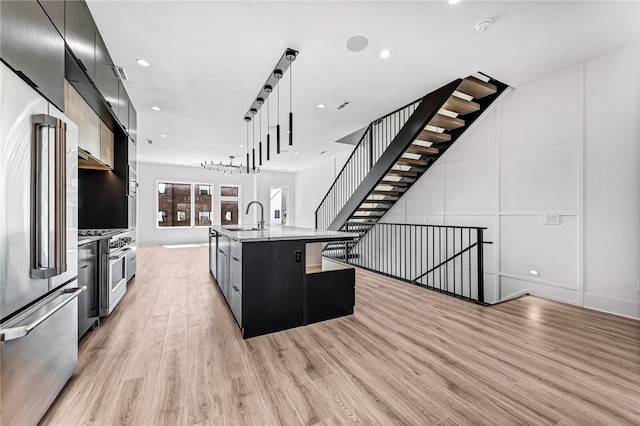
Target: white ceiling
(209, 60)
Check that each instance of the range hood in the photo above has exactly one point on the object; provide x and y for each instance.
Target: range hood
(87, 161)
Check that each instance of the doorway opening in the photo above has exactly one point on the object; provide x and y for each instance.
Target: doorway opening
(278, 205)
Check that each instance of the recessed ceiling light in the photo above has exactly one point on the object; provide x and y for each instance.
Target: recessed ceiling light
(321, 106)
(296, 153)
(288, 132)
(143, 62)
(357, 43)
(163, 135)
(454, 1)
(241, 146)
(155, 108)
(385, 53)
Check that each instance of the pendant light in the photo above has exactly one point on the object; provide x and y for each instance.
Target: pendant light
(284, 64)
(290, 57)
(268, 90)
(278, 75)
(247, 119)
(253, 137)
(260, 102)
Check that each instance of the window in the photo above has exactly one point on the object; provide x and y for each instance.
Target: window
(184, 204)
(202, 205)
(229, 202)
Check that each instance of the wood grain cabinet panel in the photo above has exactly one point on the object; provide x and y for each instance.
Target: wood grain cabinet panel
(106, 145)
(87, 120)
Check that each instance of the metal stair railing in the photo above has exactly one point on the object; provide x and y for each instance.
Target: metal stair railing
(382, 144)
(372, 144)
(444, 258)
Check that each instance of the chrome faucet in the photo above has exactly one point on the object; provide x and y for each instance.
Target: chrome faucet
(261, 223)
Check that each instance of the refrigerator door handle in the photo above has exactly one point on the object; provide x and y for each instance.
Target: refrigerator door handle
(49, 219)
(21, 331)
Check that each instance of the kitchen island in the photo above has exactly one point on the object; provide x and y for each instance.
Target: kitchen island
(275, 279)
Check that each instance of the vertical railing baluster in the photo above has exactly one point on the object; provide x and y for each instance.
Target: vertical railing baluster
(469, 261)
(480, 265)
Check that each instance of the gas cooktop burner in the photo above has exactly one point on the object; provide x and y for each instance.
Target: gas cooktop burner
(99, 232)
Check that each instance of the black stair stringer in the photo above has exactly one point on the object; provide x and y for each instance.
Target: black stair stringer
(428, 108)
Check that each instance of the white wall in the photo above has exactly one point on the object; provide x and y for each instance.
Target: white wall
(612, 183)
(253, 187)
(568, 145)
(312, 185)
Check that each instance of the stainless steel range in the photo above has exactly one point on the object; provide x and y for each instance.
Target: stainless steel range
(118, 254)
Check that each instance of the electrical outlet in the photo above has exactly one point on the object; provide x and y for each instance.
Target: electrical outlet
(638, 285)
(551, 219)
(298, 256)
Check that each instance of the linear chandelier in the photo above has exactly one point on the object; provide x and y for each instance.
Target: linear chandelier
(284, 64)
(231, 168)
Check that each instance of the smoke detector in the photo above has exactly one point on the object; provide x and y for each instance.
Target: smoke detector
(484, 25)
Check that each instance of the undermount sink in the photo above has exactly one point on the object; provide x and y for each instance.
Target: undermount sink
(244, 228)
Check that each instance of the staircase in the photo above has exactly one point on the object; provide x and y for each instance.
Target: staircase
(395, 151)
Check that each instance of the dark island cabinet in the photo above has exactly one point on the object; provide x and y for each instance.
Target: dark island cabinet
(272, 285)
(33, 47)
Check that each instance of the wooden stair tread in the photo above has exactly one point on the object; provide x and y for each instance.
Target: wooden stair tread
(402, 173)
(373, 209)
(435, 137)
(476, 88)
(448, 123)
(372, 201)
(382, 192)
(423, 150)
(393, 183)
(461, 106)
(364, 216)
(412, 162)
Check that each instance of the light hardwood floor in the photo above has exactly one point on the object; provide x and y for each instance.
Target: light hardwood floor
(172, 354)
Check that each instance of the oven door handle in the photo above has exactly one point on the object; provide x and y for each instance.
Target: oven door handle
(21, 331)
(120, 254)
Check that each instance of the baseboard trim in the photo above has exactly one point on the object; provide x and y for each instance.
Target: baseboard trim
(612, 305)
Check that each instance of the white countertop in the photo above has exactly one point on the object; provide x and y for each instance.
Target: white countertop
(275, 233)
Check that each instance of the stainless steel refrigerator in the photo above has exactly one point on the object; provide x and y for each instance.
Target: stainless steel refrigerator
(38, 251)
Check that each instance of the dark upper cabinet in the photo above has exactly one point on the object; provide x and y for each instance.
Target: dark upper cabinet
(133, 123)
(80, 34)
(133, 163)
(123, 106)
(31, 45)
(106, 80)
(55, 11)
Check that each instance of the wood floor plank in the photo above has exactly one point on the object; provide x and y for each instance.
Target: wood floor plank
(172, 354)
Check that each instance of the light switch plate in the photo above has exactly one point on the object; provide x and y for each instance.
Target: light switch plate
(551, 219)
